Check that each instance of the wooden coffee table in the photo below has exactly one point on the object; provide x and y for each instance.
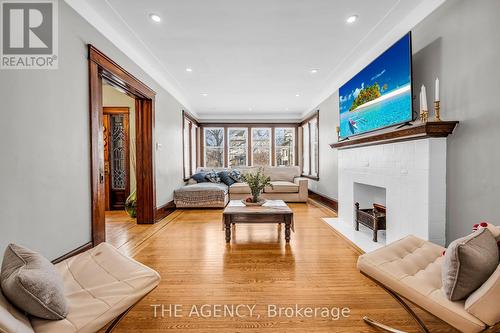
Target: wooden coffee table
(273, 211)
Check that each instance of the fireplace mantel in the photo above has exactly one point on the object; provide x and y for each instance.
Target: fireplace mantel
(431, 129)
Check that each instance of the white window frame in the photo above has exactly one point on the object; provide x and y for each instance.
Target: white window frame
(308, 147)
(229, 145)
(294, 145)
(270, 129)
(205, 145)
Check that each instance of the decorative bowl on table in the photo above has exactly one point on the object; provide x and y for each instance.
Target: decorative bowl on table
(251, 203)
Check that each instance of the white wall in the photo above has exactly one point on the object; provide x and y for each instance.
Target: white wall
(459, 43)
(45, 150)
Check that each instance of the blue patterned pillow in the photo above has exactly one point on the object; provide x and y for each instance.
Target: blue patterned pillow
(200, 177)
(235, 175)
(225, 178)
(213, 177)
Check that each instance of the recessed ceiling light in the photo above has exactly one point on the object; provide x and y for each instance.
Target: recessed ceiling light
(314, 70)
(351, 19)
(204, 94)
(155, 17)
(297, 95)
(189, 69)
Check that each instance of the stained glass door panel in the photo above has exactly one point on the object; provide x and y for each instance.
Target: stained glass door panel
(118, 156)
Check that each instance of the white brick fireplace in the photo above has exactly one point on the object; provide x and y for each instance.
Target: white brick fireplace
(413, 174)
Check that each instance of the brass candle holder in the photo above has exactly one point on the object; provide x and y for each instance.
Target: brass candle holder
(437, 109)
(338, 132)
(424, 116)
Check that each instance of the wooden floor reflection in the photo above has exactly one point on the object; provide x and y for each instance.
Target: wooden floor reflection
(317, 269)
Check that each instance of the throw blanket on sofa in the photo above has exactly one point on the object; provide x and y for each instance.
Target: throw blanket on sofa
(201, 194)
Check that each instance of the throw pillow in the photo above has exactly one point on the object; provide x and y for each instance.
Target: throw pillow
(213, 177)
(199, 177)
(32, 283)
(468, 263)
(225, 178)
(235, 175)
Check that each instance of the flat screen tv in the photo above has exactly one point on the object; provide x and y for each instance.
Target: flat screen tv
(380, 95)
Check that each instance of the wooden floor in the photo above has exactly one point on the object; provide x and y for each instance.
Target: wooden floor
(317, 269)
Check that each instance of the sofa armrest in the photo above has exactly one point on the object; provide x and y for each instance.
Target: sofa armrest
(303, 187)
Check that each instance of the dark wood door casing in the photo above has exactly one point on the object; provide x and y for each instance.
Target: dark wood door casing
(101, 66)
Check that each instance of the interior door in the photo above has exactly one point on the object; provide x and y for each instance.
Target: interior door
(116, 156)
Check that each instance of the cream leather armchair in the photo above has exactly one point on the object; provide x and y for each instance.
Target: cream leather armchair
(100, 285)
(410, 269)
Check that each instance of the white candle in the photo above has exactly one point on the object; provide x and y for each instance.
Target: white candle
(437, 89)
(424, 99)
(420, 100)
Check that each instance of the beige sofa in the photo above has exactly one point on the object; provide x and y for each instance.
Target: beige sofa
(99, 285)
(287, 186)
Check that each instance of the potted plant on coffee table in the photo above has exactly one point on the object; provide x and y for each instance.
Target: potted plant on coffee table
(257, 182)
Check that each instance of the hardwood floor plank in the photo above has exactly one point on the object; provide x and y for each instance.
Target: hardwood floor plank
(317, 269)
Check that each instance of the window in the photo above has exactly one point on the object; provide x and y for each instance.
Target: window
(190, 145)
(284, 140)
(310, 146)
(238, 147)
(194, 148)
(261, 146)
(247, 144)
(214, 147)
(305, 149)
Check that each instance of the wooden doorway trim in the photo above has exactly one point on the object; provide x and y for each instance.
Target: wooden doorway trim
(102, 67)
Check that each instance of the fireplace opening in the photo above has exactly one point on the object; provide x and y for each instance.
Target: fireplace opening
(370, 211)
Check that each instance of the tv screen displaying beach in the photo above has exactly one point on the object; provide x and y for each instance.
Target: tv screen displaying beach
(380, 95)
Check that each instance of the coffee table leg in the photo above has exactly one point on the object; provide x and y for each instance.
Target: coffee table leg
(227, 224)
(288, 224)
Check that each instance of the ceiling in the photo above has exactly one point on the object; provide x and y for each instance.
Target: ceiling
(251, 58)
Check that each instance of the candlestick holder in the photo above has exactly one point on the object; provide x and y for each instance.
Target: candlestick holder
(437, 109)
(424, 116)
(338, 132)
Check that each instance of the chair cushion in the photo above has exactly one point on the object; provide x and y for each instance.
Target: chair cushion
(235, 174)
(31, 282)
(282, 187)
(483, 303)
(468, 263)
(213, 177)
(412, 267)
(200, 177)
(11, 319)
(287, 173)
(240, 188)
(99, 285)
(225, 178)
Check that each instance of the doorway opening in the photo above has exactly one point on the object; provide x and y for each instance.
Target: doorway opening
(111, 170)
(119, 160)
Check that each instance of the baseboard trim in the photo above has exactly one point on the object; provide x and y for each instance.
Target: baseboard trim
(329, 202)
(164, 210)
(78, 250)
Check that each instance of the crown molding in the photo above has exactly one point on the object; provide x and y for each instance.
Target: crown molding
(253, 117)
(350, 66)
(103, 18)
